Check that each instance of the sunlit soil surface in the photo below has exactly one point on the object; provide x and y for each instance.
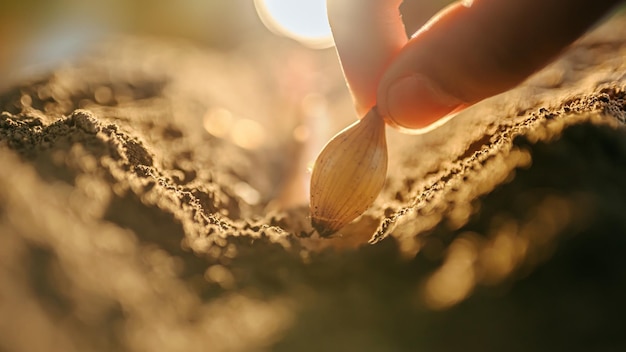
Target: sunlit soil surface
(153, 196)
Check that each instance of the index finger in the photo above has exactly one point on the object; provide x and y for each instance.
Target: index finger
(368, 35)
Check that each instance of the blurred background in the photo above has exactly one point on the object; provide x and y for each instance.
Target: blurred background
(35, 34)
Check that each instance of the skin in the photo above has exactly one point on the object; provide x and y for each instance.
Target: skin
(464, 54)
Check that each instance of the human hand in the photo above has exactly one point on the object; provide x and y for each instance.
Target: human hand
(466, 53)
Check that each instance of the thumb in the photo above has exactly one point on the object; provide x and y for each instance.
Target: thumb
(472, 51)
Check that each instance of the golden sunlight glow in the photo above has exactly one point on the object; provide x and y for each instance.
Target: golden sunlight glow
(302, 20)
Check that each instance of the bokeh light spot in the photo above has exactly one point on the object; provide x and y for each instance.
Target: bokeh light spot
(218, 122)
(304, 20)
(247, 134)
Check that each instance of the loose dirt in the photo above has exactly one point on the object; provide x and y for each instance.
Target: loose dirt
(153, 198)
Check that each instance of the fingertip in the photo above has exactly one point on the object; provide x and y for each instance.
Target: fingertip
(416, 102)
(468, 53)
(367, 34)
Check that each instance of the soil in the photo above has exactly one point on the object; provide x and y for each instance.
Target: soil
(153, 198)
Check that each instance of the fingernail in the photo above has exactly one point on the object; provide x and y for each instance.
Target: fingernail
(415, 102)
